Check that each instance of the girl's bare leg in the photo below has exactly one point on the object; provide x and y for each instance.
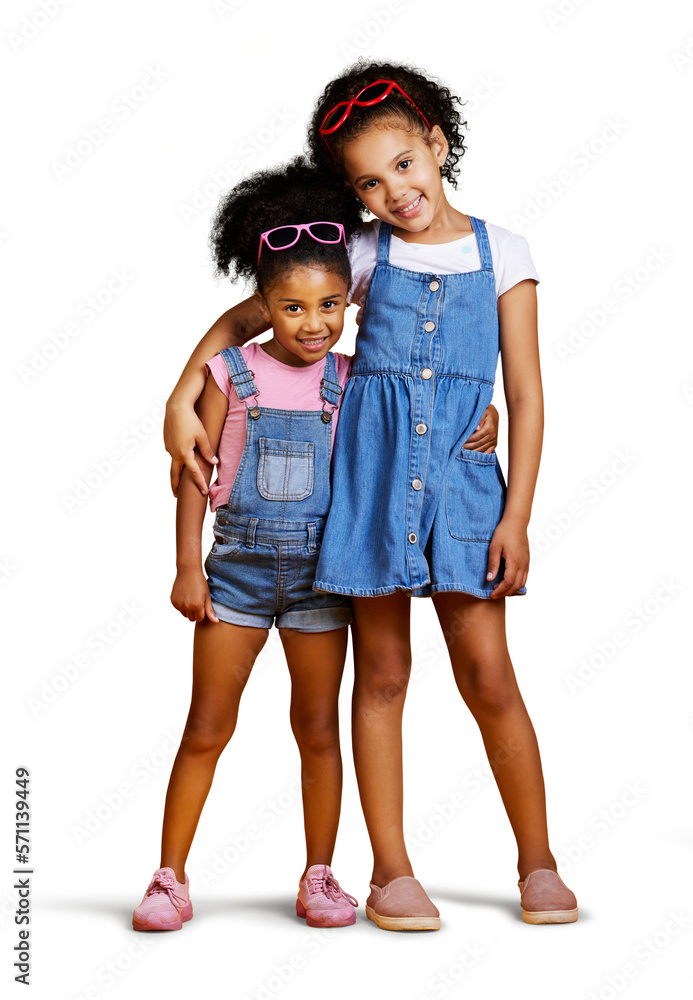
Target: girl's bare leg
(474, 630)
(316, 664)
(223, 656)
(382, 661)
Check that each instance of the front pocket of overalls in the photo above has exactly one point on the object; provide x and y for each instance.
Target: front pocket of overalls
(224, 547)
(475, 496)
(285, 469)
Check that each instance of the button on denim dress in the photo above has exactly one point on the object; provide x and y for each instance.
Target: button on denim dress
(261, 568)
(411, 509)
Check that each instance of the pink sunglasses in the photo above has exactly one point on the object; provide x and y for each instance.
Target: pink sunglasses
(287, 236)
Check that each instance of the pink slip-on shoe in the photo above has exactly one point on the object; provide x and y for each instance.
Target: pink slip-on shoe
(546, 899)
(402, 905)
(322, 901)
(165, 904)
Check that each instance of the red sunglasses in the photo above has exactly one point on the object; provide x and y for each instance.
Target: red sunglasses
(376, 92)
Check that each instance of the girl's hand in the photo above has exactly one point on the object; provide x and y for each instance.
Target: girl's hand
(190, 596)
(485, 437)
(183, 429)
(509, 541)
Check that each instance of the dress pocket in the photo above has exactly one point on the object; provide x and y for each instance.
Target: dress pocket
(474, 496)
(285, 469)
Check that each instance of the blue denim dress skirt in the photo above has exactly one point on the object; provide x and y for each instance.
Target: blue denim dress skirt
(412, 510)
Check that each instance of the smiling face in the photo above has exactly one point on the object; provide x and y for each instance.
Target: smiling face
(396, 173)
(305, 307)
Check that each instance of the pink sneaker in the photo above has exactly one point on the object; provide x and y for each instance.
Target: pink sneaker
(322, 901)
(165, 904)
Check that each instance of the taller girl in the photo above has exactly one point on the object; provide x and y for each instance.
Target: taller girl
(423, 515)
(414, 512)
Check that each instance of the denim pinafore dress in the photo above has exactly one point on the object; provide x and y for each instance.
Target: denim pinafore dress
(412, 510)
(261, 568)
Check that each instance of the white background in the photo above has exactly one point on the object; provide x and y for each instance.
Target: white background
(233, 84)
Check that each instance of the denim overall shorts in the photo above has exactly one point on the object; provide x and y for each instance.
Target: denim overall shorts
(413, 509)
(267, 536)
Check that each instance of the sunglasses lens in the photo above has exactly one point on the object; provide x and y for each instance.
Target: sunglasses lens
(282, 238)
(333, 116)
(328, 232)
(375, 92)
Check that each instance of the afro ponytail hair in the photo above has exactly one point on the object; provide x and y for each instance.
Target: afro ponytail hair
(291, 194)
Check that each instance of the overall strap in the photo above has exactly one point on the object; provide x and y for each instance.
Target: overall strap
(384, 243)
(482, 242)
(240, 375)
(330, 389)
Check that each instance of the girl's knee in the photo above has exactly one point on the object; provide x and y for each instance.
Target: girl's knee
(384, 672)
(487, 688)
(205, 738)
(382, 688)
(315, 732)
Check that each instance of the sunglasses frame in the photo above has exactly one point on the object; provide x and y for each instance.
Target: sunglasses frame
(348, 105)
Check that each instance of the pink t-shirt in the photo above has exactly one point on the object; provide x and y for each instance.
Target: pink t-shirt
(282, 387)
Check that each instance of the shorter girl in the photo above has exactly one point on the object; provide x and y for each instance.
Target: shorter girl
(271, 410)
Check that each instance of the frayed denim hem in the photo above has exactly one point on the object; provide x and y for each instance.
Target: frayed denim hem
(458, 588)
(359, 591)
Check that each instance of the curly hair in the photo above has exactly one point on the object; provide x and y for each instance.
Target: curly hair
(293, 193)
(434, 99)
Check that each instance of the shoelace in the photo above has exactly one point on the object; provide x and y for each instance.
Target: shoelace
(329, 885)
(164, 883)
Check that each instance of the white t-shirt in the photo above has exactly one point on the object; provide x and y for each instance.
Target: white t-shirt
(509, 253)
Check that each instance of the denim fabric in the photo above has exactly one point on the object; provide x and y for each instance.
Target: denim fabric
(285, 471)
(261, 567)
(411, 509)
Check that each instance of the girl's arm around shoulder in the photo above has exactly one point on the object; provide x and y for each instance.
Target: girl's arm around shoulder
(183, 431)
(519, 344)
(190, 594)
